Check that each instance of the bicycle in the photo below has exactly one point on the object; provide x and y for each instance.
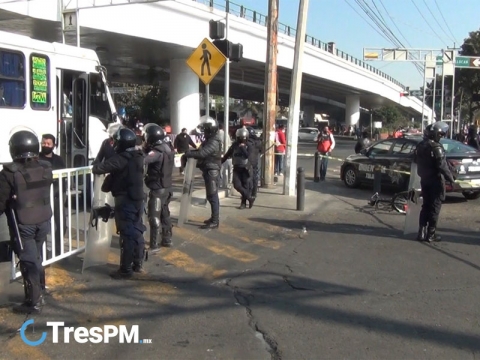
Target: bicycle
(397, 202)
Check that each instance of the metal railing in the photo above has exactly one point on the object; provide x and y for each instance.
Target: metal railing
(70, 203)
(258, 18)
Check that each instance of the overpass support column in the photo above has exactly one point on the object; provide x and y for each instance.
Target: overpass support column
(352, 110)
(309, 115)
(184, 97)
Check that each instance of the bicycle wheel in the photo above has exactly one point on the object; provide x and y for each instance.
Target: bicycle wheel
(400, 201)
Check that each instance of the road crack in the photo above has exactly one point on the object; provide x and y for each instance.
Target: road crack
(285, 279)
(431, 290)
(270, 343)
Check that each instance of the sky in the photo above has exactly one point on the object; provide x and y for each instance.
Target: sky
(345, 23)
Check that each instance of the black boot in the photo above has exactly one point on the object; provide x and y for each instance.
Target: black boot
(422, 233)
(154, 237)
(166, 238)
(243, 204)
(126, 260)
(431, 236)
(27, 307)
(207, 221)
(250, 202)
(138, 259)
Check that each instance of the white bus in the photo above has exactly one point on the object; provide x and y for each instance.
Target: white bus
(54, 89)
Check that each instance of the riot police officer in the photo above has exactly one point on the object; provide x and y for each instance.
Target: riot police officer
(433, 171)
(160, 161)
(126, 184)
(255, 149)
(240, 154)
(25, 197)
(209, 161)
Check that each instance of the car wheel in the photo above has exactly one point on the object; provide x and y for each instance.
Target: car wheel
(350, 177)
(471, 195)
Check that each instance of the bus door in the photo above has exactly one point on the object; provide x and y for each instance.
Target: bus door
(78, 132)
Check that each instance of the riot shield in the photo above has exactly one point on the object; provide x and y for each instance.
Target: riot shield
(100, 229)
(187, 191)
(414, 204)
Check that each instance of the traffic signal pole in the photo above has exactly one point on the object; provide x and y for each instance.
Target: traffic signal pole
(270, 103)
(294, 105)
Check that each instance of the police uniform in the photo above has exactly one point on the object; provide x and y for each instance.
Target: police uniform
(255, 149)
(25, 197)
(160, 161)
(239, 152)
(209, 161)
(433, 171)
(126, 176)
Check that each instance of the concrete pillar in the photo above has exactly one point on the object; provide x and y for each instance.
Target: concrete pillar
(184, 97)
(309, 115)
(352, 110)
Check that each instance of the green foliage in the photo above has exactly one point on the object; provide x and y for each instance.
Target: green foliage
(468, 80)
(391, 117)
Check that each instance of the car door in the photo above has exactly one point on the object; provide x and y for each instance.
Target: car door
(400, 160)
(377, 155)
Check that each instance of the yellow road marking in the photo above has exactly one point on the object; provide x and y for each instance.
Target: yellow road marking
(181, 260)
(264, 226)
(156, 291)
(214, 246)
(61, 285)
(19, 350)
(236, 233)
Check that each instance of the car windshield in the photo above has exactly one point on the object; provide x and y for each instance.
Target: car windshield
(456, 147)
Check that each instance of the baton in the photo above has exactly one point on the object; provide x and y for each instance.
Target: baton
(15, 223)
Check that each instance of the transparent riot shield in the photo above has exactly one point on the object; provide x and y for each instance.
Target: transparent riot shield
(187, 191)
(414, 205)
(100, 229)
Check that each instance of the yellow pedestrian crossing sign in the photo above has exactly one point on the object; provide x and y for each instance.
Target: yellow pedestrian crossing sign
(206, 61)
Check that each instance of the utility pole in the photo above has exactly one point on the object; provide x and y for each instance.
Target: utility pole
(442, 99)
(226, 100)
(294, 105)
(270, 107)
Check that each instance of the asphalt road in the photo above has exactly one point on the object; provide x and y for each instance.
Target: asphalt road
(335, 281)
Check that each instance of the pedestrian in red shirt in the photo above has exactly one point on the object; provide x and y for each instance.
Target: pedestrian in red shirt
(280, 142)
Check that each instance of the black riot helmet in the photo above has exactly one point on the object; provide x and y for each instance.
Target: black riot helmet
(251, 132)
(242, 135)
(124, 139)
(24, 144)
(209, 126)
(154, 135)
(436, 131)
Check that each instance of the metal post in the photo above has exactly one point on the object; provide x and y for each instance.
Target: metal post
(316, 168)
(207, 100)
(434, 91)
(424, 91)
(63, 20)
(226, 101)
(270, 107)
(377, 179)
(300, 189)
(78, 26)
(294, 105)
(453, 93)
(442, 100)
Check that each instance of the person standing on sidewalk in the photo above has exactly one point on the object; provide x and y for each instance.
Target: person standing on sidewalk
(182, 144)
(227, 166)
(255, 146)
(280, 142)
(325, 145)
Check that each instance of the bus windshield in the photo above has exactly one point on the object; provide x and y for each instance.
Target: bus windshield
(99, 106)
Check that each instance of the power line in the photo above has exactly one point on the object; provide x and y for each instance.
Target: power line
(376, 30)
(423, 17)
(435, 18)
(445, 21)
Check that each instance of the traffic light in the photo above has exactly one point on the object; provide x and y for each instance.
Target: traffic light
(234, 52)
(216, 30)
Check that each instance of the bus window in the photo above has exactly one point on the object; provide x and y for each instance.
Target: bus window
(99, 106)
(80, 117)
(39, 82)
(12, 79)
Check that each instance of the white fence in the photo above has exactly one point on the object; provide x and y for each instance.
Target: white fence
(71, 211)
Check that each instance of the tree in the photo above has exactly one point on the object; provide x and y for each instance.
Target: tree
(468, 80)
(154, 100)
(391, 117)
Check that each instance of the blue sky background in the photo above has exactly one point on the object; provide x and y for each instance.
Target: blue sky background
(351, 30)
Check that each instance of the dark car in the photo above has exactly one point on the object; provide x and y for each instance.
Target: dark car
(395, 157)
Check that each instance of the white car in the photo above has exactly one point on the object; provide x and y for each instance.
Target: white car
(308, 134)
